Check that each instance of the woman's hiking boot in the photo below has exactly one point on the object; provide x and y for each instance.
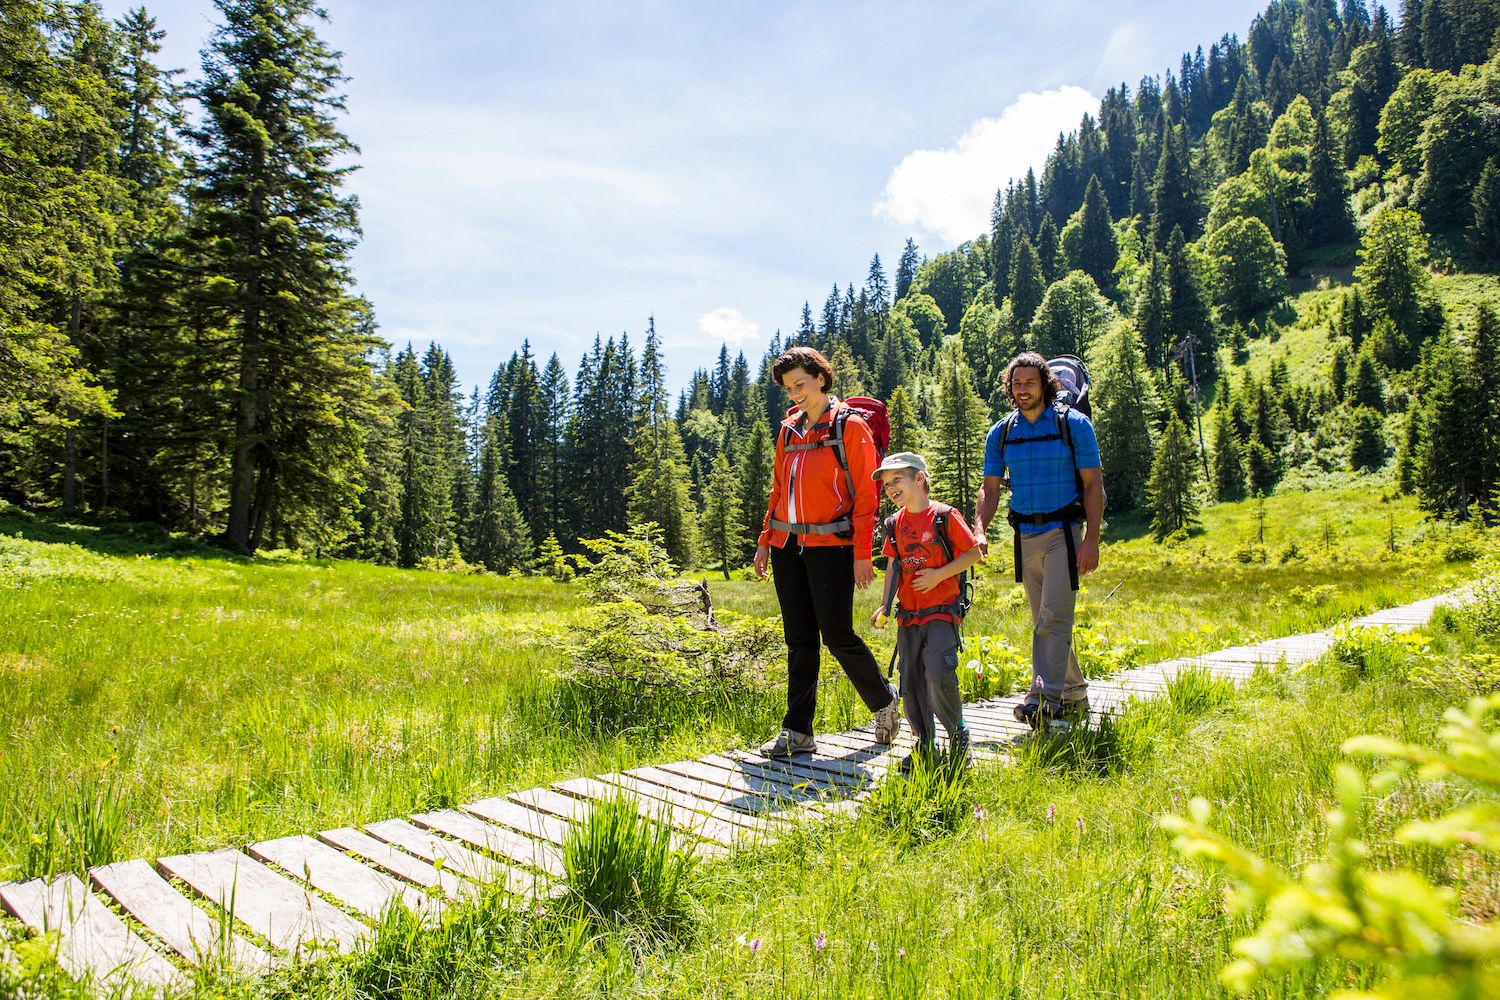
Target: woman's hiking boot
(788, 742)
(1055, 718)
(888, 720)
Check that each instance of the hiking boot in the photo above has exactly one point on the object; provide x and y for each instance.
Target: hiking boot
(788, 742)
(1050, 717)
(919, 757)
(888, 721)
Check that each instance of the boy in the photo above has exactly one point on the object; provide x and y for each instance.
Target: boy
(928, 545)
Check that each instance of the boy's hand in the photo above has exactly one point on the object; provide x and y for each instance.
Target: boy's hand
(927, 579)
(875, 617)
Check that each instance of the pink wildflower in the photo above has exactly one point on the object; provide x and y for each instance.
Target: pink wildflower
(822, 941)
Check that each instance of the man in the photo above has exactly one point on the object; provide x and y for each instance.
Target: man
(1055, 483)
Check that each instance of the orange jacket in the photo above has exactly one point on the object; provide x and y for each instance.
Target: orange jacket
(810, 487)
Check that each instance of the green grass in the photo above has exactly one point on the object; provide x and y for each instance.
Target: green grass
(158, 697)
(1049, 880)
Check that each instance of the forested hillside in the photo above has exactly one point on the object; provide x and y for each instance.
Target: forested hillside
(179, 341)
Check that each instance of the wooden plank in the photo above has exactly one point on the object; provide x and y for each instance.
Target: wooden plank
(358, 887)
(831, 786)
(515, 848)
(167, 913)
(278, 909)
(454, 856)
(697, 826)
(843, 768)
(93, 943)
(415, 870)
(577, 810)
(534, 823)
(755, 810)
(678, 791)
(782, 794)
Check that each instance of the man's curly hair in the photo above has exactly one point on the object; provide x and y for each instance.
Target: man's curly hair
(1031, 359)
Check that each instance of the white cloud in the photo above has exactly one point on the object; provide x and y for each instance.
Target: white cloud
(948, 192)
(726, 325)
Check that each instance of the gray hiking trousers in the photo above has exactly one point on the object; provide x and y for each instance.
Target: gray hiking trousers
(927, 655)
(1044, 573)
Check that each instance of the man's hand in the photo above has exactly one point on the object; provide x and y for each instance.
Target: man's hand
(864, 573)
(1088, 556)
(762, 556)
(982, 540)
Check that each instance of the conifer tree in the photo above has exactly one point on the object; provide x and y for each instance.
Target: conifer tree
(1228, 464)
(906, 432)
(1171, 493)
(723, 517)
(1448, 481)
(958, 434)
(426, 519)
(1366, 440)
(756, 457)
(1121, 399)
(1173, 191)
(1487, 209)
(381, 493)
(1153, 312)
(1338, 371)
(1485, 350)
(1366, 388)
(552, 425)
(271, 233)
(1260, 464)
(501, 537)
(1094, 250)
(906, 269)
(1329, 218)
(1408, 455)
(1026, 287)
(660, 480)
(1048, 250)
(1191, 318)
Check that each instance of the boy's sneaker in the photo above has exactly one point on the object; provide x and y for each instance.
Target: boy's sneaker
(788, 742)
(958, 748)
(888, 721)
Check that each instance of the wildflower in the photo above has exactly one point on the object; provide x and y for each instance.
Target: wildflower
(976, 666)
(978, 812)
(755, 946)
(901, 952)
(822, 941)
(739, 940)
(1051, 813)
(1080, 824)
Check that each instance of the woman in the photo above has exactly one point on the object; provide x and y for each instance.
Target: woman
(816, 537)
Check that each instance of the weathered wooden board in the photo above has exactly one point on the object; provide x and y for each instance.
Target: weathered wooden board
(576, 810)
(697, 825)
(93, 943)
(455, 856)
(288, 915)
(516, 848)
(357, 886)
(167, 913)
(419, 871)
(754, 812)
(533, 823)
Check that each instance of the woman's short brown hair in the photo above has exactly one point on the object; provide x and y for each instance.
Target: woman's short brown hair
(1031, 359)
(806, 358)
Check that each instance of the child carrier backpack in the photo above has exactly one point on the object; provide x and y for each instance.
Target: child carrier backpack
(1073, 374)
(874, 414)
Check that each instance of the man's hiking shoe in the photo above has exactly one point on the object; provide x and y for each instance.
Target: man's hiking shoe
(888, 721)
(788, 742)
(1056, 718)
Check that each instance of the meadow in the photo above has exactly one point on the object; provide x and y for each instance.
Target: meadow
(157, 696)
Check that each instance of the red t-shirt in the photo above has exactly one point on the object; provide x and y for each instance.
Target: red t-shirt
(915, 536)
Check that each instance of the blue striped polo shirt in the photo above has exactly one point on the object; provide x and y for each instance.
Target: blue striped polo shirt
(1041, 474)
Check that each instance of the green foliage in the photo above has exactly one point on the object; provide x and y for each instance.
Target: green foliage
(925, 316)
(1367, 440)
(1122, 397)
(957, 442)
(1249, 267)
(1172, 492)
(1346, 911)
(1393, 273)
(645, 630)
(1404, 118)
(620, 865)
(1228, 465)
(931, 803)
(1072, 315)
(722, 527)
(1027, 284)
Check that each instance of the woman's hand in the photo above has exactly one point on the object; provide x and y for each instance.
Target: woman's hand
(762, 555)
(864, 573)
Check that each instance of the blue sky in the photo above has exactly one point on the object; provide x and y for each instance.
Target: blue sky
(555, 170)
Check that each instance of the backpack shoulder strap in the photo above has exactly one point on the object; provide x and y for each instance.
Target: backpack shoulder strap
(836, 439)
(1006, 426)
(940, 529)
(1064, 426)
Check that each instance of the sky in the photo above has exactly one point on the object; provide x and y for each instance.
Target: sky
(555, 171)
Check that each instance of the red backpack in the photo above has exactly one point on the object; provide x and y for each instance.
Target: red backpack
(874, 413)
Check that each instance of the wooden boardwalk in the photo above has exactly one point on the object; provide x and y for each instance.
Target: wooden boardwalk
(295, 897)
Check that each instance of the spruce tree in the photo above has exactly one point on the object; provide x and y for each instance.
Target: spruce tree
(1171, 493)
(501, 537)
(756, 456)
(1121, 397)
(1173, 192)
(1260, 464)
(1048, 250)
(1366, 389)
(1153, 312)
(1487, 210)
(1408, 455)
(660, 481)
(1329, 218)
(1191, 318)
(1228, 463)
(1338, 371)
(1366, 440)
(958, 435)
(906, 269)
(1485, 352)
(1096, 250)
(1026, 286)
(425, 527)
(271, 234)
(906, 433)
(723, 517)
(1448, 482)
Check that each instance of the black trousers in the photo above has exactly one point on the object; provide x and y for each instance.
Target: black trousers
(815, 588)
